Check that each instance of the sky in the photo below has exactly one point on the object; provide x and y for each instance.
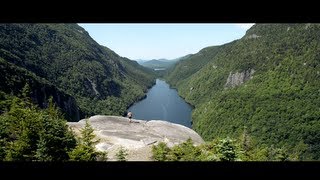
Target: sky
(156, 41)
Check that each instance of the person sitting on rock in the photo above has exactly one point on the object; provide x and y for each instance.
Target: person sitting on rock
(129, 116)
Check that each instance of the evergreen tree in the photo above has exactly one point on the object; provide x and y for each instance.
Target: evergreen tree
(85, 149)
(122, 154)
(246, 145)
(227, 150)
(56, 139)
(160, 151)
(28, 133)
(185, 151)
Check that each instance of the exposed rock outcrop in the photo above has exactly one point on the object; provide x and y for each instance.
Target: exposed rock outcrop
(237, 78)
(41, 92)
(137, 137)
(252, 36)
(14, 78)
(94, 87)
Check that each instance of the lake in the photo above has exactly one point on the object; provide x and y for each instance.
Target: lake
(163, 103)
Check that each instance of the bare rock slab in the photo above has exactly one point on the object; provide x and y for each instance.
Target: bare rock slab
(137, 137)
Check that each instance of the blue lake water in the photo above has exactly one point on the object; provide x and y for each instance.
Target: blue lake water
(163, 103)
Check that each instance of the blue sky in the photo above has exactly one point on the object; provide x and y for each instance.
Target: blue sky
(155, 41)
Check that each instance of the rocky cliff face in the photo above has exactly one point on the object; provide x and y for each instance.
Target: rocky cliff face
(41, 92)
(236, 79)
(14, 78)
(137, 137)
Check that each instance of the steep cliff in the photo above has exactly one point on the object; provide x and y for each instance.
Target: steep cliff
(14, 78)
(236, 79)
(100, 81)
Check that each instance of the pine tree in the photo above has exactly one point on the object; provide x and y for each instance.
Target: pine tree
(29, 134)
(85, 149)
(56, 140)
(227, 150)
(160, 151)
(122, 154)
(246, 145)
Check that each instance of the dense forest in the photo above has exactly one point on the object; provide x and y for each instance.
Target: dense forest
(266, 84)
(190, 64)
(63, 61)
(256, 98)
(30, 133)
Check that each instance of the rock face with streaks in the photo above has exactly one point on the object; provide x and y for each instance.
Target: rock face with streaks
(136, 137)
(236, 79)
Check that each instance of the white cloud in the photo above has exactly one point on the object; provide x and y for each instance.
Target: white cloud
(245, 26)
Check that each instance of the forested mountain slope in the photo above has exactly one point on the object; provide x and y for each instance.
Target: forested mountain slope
(66, 56)
(265, 84)
(186, 67)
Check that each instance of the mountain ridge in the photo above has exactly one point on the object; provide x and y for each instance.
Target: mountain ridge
(264, 84)
(65, 55)
(161, 63)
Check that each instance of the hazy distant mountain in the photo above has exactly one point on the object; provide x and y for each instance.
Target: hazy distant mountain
(154, 64)
(140, 61)
(160, 63)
